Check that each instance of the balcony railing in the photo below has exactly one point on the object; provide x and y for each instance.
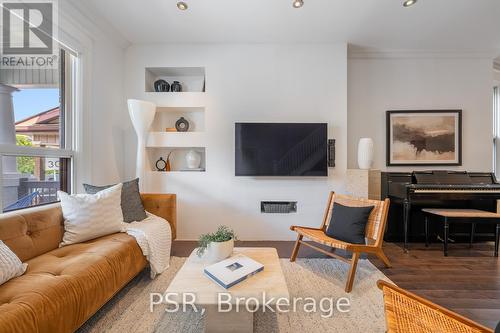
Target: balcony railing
(34, 192)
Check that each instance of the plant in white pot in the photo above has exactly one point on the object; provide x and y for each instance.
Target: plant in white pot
(216, 246)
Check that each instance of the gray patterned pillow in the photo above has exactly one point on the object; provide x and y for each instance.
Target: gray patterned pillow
(132, 207)
(10, 265)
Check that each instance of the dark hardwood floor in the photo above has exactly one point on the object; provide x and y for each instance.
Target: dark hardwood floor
(467, 281)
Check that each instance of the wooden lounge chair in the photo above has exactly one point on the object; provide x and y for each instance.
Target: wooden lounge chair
(374, 233)
(406, 312)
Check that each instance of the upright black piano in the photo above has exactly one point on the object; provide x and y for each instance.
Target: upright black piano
(409, 192)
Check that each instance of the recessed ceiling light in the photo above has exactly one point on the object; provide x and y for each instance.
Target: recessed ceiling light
(182, 5)
(409, 3)
(298, 3)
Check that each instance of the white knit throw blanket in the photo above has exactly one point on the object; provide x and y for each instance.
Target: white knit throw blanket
(154, 237)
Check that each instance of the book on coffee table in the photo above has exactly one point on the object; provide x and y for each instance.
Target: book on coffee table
(232, 271)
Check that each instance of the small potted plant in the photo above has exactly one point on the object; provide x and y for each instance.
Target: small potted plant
(218, 245)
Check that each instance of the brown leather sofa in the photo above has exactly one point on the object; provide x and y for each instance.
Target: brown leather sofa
(63, 287)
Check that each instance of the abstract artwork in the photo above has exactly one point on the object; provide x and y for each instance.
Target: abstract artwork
(424, 137)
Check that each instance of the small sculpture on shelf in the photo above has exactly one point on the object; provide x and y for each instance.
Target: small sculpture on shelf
(161, 86)
(176, 87)
(162, 165)
(182, 125)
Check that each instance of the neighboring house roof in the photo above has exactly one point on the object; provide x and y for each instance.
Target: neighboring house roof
(47, 121)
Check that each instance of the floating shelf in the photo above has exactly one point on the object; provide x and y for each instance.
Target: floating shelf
(176, 173)
(182, 100)
(192, 79)
(176, 139)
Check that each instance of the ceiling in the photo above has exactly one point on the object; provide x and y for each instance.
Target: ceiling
(385, 24)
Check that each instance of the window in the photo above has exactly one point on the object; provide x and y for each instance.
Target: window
(496, 131)
(36, 149)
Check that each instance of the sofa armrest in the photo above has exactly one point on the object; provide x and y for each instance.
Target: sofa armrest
(163, 205)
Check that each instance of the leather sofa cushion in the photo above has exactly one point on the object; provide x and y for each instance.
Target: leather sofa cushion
(64, 287)
(32, 232)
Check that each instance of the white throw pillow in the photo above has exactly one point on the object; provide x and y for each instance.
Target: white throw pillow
(89, 216)
(10, 265)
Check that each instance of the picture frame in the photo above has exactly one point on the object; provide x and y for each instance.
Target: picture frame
(424, 138)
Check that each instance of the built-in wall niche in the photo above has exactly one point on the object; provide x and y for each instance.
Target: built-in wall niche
(178, 161)
(166, 117)
(192, 79)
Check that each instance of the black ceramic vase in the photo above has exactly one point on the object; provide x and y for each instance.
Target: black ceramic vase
(161, 86)
(182, 125)
(176, 86)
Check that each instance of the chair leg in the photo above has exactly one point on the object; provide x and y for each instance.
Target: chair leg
(296, 248)
(352, 272)
(381, 255)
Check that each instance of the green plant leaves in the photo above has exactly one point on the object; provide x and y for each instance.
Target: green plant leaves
(223, 234)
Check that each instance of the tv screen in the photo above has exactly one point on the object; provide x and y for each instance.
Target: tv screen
(281, 149)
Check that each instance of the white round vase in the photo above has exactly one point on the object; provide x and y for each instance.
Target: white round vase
(193, 160)
(217, 251)
(365, 153)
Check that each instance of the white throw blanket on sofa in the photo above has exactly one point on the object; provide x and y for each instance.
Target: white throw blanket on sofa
(154, 237)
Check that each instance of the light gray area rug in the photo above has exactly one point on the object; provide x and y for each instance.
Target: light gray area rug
(129, 310)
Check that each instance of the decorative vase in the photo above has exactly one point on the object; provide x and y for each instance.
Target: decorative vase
(161, 86)
(365, 153)
(168, 167)
(176, 87)
(217, 251)
(193, 159)
(182, 125)
(142, 114)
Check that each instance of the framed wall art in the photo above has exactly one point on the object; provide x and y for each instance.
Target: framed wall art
(432, 137)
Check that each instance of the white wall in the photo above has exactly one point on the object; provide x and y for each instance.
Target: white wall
(100, 98)
(414, 83)
(107, 105)
(257, 82)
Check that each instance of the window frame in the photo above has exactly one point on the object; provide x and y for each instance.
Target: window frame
(496, 126)
(68, 68)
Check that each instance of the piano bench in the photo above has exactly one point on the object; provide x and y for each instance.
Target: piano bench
(471, 216)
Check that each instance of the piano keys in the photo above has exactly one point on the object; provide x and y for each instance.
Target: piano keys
(409, 192)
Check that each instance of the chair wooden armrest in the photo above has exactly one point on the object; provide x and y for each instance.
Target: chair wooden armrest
(407, 312)
(296, 227)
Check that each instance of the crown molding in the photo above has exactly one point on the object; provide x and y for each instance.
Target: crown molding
(356, 52)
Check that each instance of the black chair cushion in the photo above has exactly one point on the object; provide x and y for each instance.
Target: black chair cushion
(348, 223)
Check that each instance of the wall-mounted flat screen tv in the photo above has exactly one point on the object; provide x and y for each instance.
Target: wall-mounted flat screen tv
(281, 149)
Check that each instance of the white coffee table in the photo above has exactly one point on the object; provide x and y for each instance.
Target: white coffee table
(271, 281)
